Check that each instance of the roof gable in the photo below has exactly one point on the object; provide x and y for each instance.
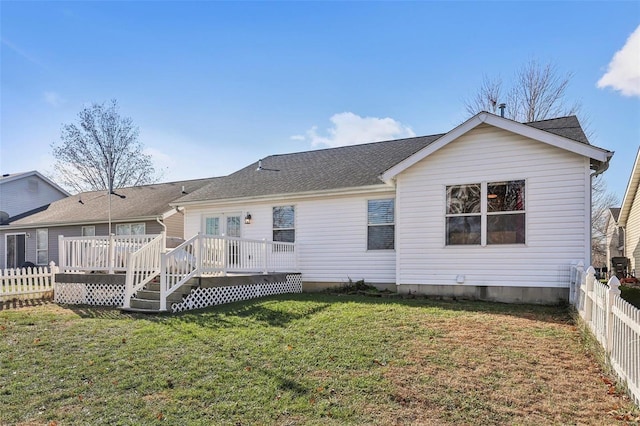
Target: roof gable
(548, 131)
(6, 178)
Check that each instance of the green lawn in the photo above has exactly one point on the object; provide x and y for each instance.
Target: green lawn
(303, 359)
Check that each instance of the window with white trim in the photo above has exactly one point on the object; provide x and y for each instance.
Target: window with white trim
(130, 229)
(486, 213)
(381, 224)
(42, 246)
(284, 229)
(88, 231)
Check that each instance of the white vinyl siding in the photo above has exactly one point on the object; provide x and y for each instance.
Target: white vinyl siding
(557, 227)
(329, 247)
(632, 236)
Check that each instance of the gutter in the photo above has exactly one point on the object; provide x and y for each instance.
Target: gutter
(603, 165)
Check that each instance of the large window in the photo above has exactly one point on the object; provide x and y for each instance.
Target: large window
(130, 229)
(380, 225)
(486, 213)
(284, 224)
(42, 246)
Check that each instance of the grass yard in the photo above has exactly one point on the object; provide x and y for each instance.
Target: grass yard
(307, 359)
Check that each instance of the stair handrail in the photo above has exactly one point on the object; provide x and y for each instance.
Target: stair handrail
(142, 266)
(178, 266)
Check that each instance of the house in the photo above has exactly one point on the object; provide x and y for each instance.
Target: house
(629, 219)
(615, 261)
(137, 210)
(23, 192)
(493, 209)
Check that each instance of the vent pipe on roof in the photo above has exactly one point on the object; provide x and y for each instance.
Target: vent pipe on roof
(502, 107)
(183, 191)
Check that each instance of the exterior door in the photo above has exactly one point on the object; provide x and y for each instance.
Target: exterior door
(230, 225)
(16, 250)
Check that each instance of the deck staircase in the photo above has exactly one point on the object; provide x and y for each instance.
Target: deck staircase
(147, 300)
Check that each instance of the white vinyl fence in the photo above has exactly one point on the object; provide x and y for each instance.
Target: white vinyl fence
(30, 282)
(614, 322)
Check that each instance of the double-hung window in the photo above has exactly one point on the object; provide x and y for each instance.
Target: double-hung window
(486, 213)
(42, 246)
(284, 229)
(380, 224)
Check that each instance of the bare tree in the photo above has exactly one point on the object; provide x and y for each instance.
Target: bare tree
(601, 201)
(536, 92)
(101, 151)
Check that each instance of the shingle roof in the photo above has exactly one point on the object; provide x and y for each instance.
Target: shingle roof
(568, 127)
(324, 169)
(615, 212)
(93, 207)
(337, 168)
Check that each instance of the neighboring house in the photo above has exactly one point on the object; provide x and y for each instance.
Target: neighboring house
(493, 209)
(23, 192)
(615, 241)
(139, 210)
(629, 219)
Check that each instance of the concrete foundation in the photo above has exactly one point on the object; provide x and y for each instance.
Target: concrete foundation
(314, 287)
(536, 295)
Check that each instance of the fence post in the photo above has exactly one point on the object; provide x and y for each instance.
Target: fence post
(614, 290)
(579, 280)
(112, 251)
(588, 300)
(264, 256)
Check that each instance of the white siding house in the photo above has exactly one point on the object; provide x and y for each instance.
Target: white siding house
(629, 219)
(382, 212)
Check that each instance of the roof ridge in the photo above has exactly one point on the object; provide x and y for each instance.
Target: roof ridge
(549, 119)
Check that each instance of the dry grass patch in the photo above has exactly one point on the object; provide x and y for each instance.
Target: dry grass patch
(309, 359)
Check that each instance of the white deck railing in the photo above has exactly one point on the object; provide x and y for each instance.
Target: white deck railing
(206, 255)
(107, 253)
(27, 281)
(614, 322)
(143, 266)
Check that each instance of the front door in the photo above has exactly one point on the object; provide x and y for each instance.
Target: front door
(16, 250)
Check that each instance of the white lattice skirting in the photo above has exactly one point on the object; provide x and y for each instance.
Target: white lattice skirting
(203, 297)
(89, 294)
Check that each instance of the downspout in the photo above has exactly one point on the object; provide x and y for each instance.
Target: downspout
(598, 171)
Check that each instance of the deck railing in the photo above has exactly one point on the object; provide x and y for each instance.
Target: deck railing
(143, 266)
(204, 255)
(99, 253)
(614, 322)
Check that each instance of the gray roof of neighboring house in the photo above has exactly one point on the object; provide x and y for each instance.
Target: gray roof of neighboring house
(93, 207)
(615, 212)
(336, 168)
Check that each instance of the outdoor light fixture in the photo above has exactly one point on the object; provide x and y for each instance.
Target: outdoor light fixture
(247, 219)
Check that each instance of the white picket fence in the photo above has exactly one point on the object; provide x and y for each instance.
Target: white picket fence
(31, 282)
(613, 321)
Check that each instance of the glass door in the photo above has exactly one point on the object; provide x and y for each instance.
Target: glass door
(16, 250)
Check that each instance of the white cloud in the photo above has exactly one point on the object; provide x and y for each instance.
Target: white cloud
(54, 99)
(623, 73)
(350, 129)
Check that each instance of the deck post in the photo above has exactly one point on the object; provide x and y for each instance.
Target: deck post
(112, 252)
(163, 282)
(225, 255)
(264, 256)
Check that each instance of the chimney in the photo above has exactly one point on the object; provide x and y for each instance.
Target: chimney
(502, 107)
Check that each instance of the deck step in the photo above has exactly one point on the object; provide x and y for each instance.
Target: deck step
(148, 299)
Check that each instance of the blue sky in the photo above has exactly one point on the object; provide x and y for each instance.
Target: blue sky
(214, 86)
